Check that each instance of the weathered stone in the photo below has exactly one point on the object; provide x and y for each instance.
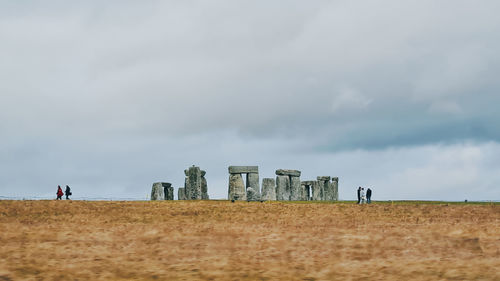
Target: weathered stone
(323, 178)
(282, 188)
(236, 188)
(203, 173)
(181, 193)
(243, 169)
(284, 172)
(306, 192)
(193, 183)
(307, 182)
(327, 189)
(204, 187)
(169, 192)
(335, 188)
(253, 182)
(317, 191)
(252, 195)
(295, 191)
(268, 189)
(157, 191)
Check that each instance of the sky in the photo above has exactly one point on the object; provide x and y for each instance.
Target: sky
(111, 96)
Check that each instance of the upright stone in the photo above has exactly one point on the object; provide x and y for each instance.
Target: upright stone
(326, 187)
(253, 182)
(317, 194)
(282, 188)
(193, 186)
(204, 186)
(157, 192)
(268, 189)
(295, 191)
(169, 192)
(181, 193)
(236, 188)
(335, 188)
(252, 195)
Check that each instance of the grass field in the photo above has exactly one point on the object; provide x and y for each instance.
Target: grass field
(219, 240)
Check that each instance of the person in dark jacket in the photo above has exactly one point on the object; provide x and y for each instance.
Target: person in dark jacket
(359, 195)
(368, 196)
(68, 192)
(59, 193)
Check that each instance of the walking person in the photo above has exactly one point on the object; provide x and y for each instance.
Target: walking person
(359, 195)
(363, 196)
(368, 195)
(59, 193)
(68, 192)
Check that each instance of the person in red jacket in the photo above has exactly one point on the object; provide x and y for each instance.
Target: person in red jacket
(59, 193)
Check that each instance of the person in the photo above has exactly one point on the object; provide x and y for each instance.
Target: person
(359, 195)
(59, 193)
(368, 195)
(68, 192)
(363, 197)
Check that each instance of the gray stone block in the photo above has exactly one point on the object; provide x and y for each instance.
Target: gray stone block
(181, 193)
(268, 189)
(157, 191)
(236, 188)
(243, 169)
(285, 172)
(283, 188)
(252, 195)
(317, 191)
(204, 187)
(307, 182)
(335, 188)
(295, 190)
(323, 178)
(193, 183)
(169, 192)
(253, 182)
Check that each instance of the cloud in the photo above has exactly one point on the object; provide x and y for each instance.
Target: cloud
(326, 77)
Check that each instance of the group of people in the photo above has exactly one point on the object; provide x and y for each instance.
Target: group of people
(364, 197)
(60, 192)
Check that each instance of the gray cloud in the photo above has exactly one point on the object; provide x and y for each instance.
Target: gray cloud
(108, 95)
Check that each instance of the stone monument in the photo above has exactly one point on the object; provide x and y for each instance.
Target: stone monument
(162, 191)
(288, 186)
(237, 189)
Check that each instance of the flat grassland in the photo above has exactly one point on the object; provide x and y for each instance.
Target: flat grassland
(220, 240)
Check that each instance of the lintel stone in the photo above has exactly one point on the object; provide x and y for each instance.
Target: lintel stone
(324, 178)
(243, 169)
(285, 172)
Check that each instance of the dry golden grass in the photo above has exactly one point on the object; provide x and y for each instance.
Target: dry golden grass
(219, 240)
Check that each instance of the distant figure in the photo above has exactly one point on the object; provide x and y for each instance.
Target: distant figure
(368, 195)
(68, 192)
(359, 195)
(59, 193)
(363, 197)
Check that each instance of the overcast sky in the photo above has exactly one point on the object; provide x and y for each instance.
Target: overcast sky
(111, 96)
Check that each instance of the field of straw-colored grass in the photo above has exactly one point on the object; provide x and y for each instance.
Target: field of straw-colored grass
(220, 240)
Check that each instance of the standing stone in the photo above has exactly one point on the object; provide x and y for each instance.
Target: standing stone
(157, 192)
(335, 188)
(236, 188)
(169, 192)
(282, 188)
(326, 187)
(193, 183)
(317, 193)
(253, 182)
(252, 195)
(181, 193)
(268, 189)
(295, 191)
(204, 186)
